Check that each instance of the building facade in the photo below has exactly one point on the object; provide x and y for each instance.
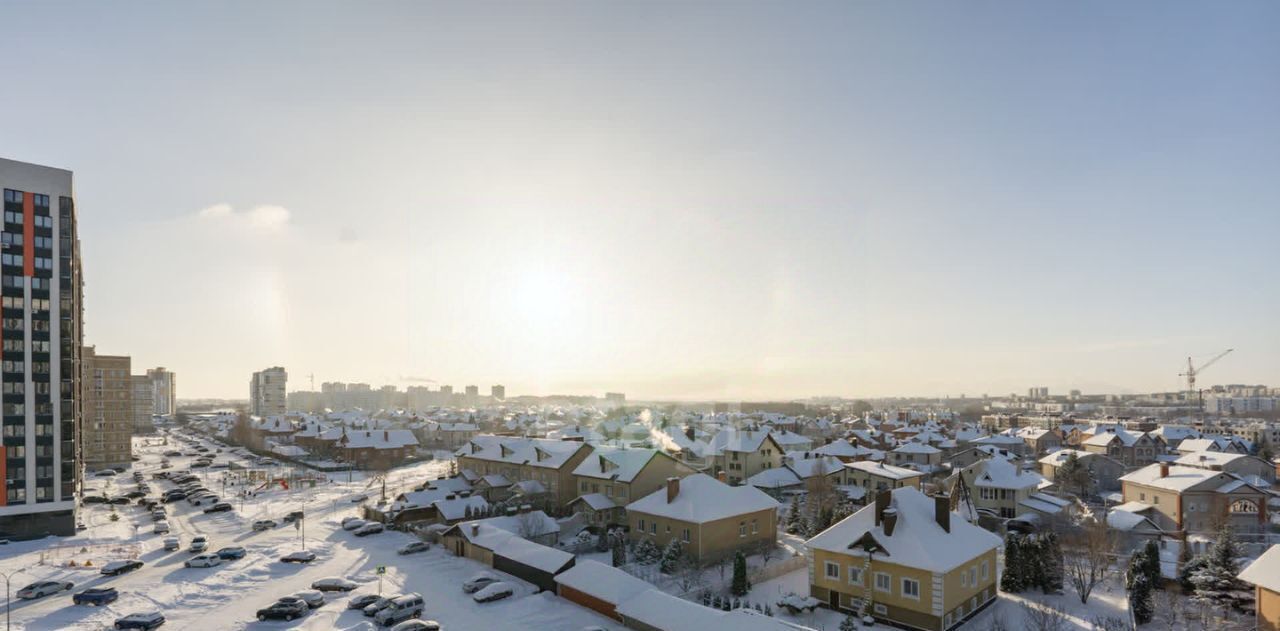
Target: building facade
(143, 403)
(107, 429)
(41, 336)
(164, 388)
(267, 392)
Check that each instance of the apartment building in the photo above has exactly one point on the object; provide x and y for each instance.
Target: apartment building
(710, 519)
(907, 560)
(1195, 500)
(107, 430)
(495, 463)
(267, 392)
(164, 388)
(143, 403)
(609, 479)
(41, 335)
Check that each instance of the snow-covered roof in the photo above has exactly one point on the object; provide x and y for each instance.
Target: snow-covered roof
(1056, 458)
(496, 481)
(883, 470)
(840, 448)
(1125, 520)
(1198, 444)
(916, 448)
(811, 467)
(1180, 478)
(702, 498)
(775, 478)
(1208, 458)
(456, 508)
(1265, 571)
(532, 554)
(1109, 434)
(787, 439)
(601, 581)
(537, 452)
(622, 465)
(732, 439)
(917, 540)
(659, 610)
(529, 487)
(493, 530)
(378, 439)
(597, 501)
(1002, 474)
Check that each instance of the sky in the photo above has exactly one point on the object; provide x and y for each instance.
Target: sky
(696, 200)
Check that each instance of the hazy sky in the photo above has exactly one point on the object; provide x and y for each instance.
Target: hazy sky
(719, 200)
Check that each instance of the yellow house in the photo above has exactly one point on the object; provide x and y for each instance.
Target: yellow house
(878, 476)
(710, 518)
(609, 479)
(1265, 576)
(906, 560)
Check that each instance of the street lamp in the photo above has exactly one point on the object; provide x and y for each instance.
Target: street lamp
(7, 598)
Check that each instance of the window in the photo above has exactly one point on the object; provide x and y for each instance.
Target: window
(833, 570)
(685, 535)
(742, 529)
(882, 582)
(755, 527)
(973, 603)
(653, 528)
(946, 620)
(855, 575)
(640, 526)
(1155, 499)
(964, 579)
(985, 570)
(911, 588)
(973, 577)
(880, 609)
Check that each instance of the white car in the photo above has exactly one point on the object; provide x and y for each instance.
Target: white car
(162, 528)
(42, 589)
(417, 625)
(353, 524)
(199, 544)
(478, 582)
(301, 556)
(371, 528)
(334, 584)
(495, 591)
(203, 560)
(414, 547)
(313, 598)
(264, 524)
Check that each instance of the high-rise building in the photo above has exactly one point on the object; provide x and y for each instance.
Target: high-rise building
(41, 336)
(144, 403)
(106, 433)
(164, 388)
(498, 393)
(267, 392)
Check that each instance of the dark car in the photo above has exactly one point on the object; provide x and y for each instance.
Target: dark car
(233, 552)
(362, 601)
(122, 500)
(133, 495)
(146, 621)
(94, 499)
(116, 568)
(220, 507)
(173, 496)
(293, 516)
(284, 609)
(173, 454)
(96, 596)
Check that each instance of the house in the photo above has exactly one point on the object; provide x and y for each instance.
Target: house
(711, 518)
(878, 476)
(451, 435)
(965, 457)
(1104, 471)
(1038, 439)
(999, 486)
(1212, 443)
(1194, 500)
(599, 587)
(743, 453)
(654, 610)
(376, 449)
(1243, 465)
(501, 543)
(512, 459)
(778, 483)
(918, 456)
(906, 560)
(1264, 574)
(791, 441)
(848, 452)
(618, 476)
(1130, 448)
(1173, 435)
(1012, 444)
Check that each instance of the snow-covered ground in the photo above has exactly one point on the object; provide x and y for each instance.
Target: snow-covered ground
(227, 597)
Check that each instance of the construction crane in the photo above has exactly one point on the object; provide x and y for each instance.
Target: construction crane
(1193, 371)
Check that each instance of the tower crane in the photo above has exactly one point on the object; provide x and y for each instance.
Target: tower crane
(1193, 371)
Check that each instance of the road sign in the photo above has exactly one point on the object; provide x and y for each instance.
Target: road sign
(382, 569)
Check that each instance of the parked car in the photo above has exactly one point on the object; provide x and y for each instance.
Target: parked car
(399, 610)
(105, 473)
(301, 556)
(356, 499)
(161, 528)
(96, 596)
(284, 609)
(368, 529)
(121, 500)
(348, 519)
(116, 568)
(293, 516)
(173, 496)
(334, 584)
(132, 495)
(43, 588)
(313, 598)
(353, 524)
(264, 524)
(199, 544)
(362, 601)
(145, 621)
(203, 499)
(172, 543)
(417, 625)
(495, 591)
(373, 609)
(203, 560)
(479, 582)
(220, 507)
(232, 552)
(414, 547)
(94, 499)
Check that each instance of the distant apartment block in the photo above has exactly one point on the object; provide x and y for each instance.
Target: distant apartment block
(267, 392)
(498, 393)
(108, 410)
(143, 403)
(164, 391)
(41, 335)
(615, 398)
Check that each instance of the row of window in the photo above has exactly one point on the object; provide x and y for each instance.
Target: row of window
(40, 221)
(16, 302)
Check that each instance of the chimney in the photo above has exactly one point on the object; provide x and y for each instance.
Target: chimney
(890, 520)
(942, 511)
(475, 529)
(722, 476)
(386, 435)
(1164, 469)
(673, 489)
(882, 502)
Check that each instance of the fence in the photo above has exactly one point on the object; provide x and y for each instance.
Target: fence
(96, 553)
(778, 568)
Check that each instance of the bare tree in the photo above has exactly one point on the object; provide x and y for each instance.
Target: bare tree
(1109, 623)
(688, 575)
(997, 622)
(529, 524)
(1042, 617)
(1170, 610)
(1087, 554)
(767, 550)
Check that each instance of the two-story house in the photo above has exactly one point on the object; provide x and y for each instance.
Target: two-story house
(1196, 501)
(709, 518)
(742, 453)
(495, 460)
(1133, 449)
(611, 478)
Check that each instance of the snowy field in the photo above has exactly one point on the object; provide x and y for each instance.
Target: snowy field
(226, 597)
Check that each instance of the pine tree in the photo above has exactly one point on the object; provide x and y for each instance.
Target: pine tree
(1151, 562)
(1051, 564)
(849, 623)
(795, 521)
(1013, 580)
(647, 553)
(602, 541)
(1033, 566)
(670, 557)
(1215, 582)
(619, 556)
(741, 585)
(1139, 585)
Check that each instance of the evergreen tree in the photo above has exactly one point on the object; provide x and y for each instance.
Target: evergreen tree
(602, 541)
(1215, 582)
(1151, 562)
(1051, 564)
(1138, 582)
(849, 623)
(646, 552)
(795, 521)
(1013, 580)
(1033, 566)
(670, 557)
(741, 585)
(619, 556)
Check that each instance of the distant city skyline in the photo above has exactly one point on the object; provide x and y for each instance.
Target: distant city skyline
(676, 201)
